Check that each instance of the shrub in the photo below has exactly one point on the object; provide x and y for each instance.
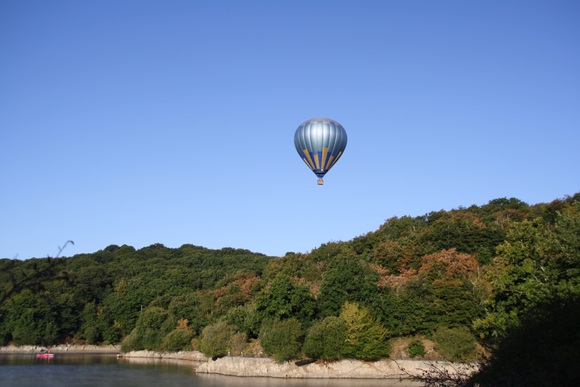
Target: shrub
(416, 348)
(455, 344)
(281, 338)
(177, 340)
(325, 339)
(238, 343)
(216, 338)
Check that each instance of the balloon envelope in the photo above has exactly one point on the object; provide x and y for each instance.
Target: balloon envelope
(320, 142)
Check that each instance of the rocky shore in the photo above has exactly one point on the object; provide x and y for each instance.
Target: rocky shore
(344, 369)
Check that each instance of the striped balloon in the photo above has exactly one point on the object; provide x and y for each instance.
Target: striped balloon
(320, 143)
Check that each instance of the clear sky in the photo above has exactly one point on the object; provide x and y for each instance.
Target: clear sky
(142, 122)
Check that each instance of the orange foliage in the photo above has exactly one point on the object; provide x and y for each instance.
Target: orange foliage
(383, 273)
(183, 324)
(393, 281)
(387, 251)
(448, 263)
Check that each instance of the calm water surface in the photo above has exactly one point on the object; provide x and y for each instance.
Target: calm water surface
(24, 370)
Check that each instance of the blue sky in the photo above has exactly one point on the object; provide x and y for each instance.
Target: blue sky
(141, 122)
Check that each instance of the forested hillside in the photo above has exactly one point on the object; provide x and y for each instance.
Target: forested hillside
(464, 279)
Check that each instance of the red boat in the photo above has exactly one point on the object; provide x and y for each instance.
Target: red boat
(44, 355)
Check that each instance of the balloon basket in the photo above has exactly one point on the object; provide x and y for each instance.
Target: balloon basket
(320, 182)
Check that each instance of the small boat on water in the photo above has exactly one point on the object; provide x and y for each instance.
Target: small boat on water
(44, 355)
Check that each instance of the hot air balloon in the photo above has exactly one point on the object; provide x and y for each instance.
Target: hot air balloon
(320, 143)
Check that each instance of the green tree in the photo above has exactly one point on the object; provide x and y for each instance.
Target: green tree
(30, 319)
(541, 351)
(348, 280)
(282, 339)
(149, 330)
(123, 306)
(216, 339)
(518, 278)
(537, 264)
(326, 339)
(285, 298)
(562, 247)
(246, 318)
(92, 326)
(178, 339)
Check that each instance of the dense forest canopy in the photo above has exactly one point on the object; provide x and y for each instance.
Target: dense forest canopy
(468, 276)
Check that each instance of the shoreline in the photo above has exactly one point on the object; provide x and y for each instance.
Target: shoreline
(62, 348)
(266, 367)
(342, 369)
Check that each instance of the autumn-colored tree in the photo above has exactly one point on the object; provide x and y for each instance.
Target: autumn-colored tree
(366, 337)
(236, 292)
(448, 265)
(464, 231)
(454, 292)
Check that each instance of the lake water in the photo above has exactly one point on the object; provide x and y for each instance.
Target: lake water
(24, 370)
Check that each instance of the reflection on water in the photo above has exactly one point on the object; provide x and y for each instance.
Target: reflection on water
(65, 358)
(233, 381)
(90, 370)
(185, 365)
(25, 370)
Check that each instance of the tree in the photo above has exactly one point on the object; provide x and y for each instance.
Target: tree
(285, 298)
(399, 256)
(246, 318)
(178, 339)
(541, 351)
(454, 288)
(17, 276)
(366, 337)
(463, 230)
(31, 319)
(149, 330)
(537, 264)
(215, 340)
(326, 339)
(348, 280)
(562, 246)
(518, 278)
(282, 339)
(91, 329)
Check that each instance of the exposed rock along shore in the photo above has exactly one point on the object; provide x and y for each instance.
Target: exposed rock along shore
(265, 367)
